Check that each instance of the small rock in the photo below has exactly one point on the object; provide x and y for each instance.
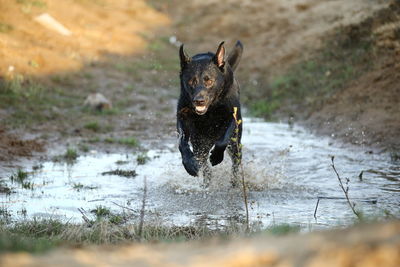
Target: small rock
(97, 101)
(51, 23)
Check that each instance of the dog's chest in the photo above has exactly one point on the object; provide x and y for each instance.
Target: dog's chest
(213, 123)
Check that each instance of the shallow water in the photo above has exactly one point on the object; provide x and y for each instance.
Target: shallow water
(287, 170)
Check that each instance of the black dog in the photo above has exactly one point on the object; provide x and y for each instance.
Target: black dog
(209, 93)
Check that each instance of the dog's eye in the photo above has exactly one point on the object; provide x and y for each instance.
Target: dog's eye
(207, 81)
(192, 82)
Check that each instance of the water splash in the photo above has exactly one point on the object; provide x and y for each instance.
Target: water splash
(286, 170)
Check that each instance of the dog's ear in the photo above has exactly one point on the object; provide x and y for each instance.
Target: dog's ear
(235, 55)
(219, 56)
(183, 57)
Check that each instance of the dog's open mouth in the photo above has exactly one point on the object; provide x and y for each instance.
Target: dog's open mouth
(200, 110)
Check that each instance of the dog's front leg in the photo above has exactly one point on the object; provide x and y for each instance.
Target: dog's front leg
(217, 154)
(188, 159)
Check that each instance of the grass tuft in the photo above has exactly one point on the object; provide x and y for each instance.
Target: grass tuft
(129, 141)
(40, 235)
(142, 159)
(71, 154)
(282, 229)
(93, 126)
(5, 27)
(21, 178)
(124, 173)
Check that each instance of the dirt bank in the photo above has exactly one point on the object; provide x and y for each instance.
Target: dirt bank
(276, 34)
(365, 245)
(366, 110)
(358, 105)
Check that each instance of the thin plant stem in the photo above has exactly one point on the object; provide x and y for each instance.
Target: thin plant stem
(345, 190)
(141, 222)
(238, 122)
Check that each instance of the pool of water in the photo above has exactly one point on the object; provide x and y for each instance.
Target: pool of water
(287, 169)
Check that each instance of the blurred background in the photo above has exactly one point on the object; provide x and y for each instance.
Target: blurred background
(103, 75)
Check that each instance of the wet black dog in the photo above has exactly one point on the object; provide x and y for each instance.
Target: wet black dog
(209, 93)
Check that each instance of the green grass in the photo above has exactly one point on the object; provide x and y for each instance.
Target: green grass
(93, 126)
(41, 103)
(101, 211)
(159, 67)
(40, 235)
(78, 187)
(35, 3)
(128, 141)
(5, 27)
(33, 236)
(84, 148)
(121, 162)
(306, 84)
(123, 173)
(21, 178)
(5, 214)
(70, 156)
(142, 159)
(282, 229)
(4, 189)
(94, 139)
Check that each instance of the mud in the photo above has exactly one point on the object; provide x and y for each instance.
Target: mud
(12, 147)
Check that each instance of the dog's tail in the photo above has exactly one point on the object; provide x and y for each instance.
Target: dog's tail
(235, 55)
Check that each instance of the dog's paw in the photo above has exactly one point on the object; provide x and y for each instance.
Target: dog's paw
(216, 157)
(191, 166)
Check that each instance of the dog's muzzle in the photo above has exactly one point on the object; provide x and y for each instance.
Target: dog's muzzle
(200, 105)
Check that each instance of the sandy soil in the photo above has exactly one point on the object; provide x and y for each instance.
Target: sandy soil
(108, 52)
(366, 245)
(275, 34)
(99, 28)
(367, 112)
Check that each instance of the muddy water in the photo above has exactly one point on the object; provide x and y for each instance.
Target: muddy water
(287, 170)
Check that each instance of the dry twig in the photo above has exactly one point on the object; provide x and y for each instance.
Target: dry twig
(84, 217)
(141, 222)
(345, 189)
(238, 122)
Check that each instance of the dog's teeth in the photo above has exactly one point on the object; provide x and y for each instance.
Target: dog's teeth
(200, 108)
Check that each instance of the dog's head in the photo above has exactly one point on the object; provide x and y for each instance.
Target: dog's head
(204, 77)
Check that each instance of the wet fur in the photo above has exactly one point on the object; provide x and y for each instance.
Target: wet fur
(214, 130)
